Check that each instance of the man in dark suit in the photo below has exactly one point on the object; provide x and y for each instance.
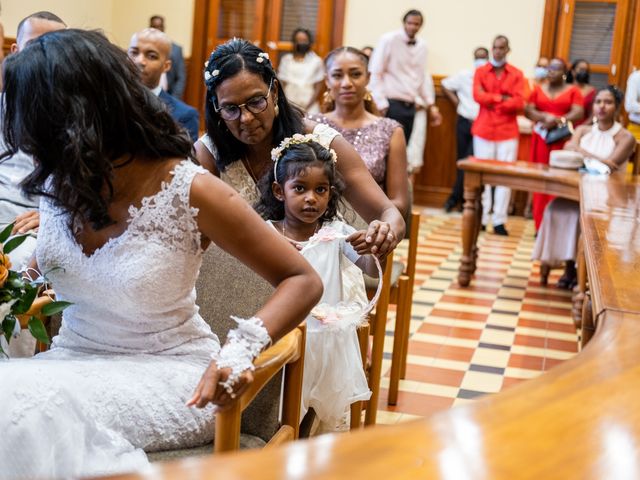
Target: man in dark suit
(149, 50)
(176, 76)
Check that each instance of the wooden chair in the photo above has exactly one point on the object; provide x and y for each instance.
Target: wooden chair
(402, 296)
(226, 287)
(634, 161)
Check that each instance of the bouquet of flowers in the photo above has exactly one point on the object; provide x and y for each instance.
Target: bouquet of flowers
(18, 293)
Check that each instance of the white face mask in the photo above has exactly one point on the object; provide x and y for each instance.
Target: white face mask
(479, 62)
(497, 63)
(540, 73)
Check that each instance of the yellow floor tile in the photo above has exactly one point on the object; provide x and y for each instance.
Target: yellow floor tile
(491, 358)
(482, 382)
(497, 337)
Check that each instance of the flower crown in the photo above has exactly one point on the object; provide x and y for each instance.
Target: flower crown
(296, 139)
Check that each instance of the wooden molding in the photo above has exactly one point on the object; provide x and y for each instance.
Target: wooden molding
(549, 28)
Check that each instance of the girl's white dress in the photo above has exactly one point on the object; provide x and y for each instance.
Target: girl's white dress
(333, 373)
(131, 350)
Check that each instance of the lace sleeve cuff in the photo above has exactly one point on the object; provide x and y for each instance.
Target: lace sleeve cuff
(244, 343)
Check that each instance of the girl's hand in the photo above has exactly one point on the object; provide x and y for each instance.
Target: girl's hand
(380, 238)
(359, 243)
(209, 389)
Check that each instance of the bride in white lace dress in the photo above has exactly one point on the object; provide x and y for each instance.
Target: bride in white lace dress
(126, 217)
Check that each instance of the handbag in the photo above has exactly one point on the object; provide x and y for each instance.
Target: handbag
(559, 133)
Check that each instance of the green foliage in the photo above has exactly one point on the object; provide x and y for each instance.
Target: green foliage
(18, 293)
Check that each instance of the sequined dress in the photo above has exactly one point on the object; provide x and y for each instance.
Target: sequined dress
(371, 141)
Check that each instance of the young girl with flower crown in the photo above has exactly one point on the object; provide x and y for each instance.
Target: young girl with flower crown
(300, 198)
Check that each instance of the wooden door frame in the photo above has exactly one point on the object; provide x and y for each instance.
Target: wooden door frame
(556, 34)
(202, 44)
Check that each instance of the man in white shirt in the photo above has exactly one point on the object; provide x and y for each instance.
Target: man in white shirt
(458, 89)
(632, 103)
(398, 75)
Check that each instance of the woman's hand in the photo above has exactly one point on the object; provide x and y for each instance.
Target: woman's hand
(379, 239)
(26, 221)
(550, 121)
(210, 390)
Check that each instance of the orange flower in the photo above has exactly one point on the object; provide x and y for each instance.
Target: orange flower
(4, 274)
(4, 260)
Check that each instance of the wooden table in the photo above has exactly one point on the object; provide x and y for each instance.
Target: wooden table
(610, 223)
(579, 420)
(532, 177)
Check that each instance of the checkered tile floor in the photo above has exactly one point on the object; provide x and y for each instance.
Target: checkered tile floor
(467, 342)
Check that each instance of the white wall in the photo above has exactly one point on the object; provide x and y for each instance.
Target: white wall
(129, 16)
(75, 13)
(118, 18)
(453, 28)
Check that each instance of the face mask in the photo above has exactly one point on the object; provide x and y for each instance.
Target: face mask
(302, 47)
(540, 72)
(479, 62)
(497, 63)
(582, 77)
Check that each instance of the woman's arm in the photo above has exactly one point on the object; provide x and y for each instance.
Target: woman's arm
(625, 143)
(386, 225)
(574, 142)
(397, 179)
(205, 158)
(575, 113)
(231, 223)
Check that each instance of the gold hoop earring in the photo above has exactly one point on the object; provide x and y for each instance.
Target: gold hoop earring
(277, 110)
(367, 96)
(327, 97)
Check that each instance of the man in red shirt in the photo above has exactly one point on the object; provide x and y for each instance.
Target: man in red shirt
(498, 87)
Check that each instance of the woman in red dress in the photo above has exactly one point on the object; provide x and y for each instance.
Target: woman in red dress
(551, 105)
(579, 76)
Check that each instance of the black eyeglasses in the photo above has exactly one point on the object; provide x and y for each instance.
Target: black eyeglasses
(254, 105)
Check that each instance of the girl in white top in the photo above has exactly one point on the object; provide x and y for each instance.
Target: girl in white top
(605, 146)
(247, 114)
(300, 199)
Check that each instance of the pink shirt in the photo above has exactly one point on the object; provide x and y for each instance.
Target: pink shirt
(399, 71)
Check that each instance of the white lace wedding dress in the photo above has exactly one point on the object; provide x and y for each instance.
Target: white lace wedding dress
(130, 352)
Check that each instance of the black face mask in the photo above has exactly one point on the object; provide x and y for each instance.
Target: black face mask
(582, 77)
(302, 48)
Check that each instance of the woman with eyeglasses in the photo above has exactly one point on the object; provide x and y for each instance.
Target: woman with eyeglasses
(552, 105)
(247, 115)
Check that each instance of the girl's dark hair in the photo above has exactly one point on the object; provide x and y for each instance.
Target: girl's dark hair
(328, 103)
(570, 77)
(75, 103)
(301, 30)
(294, 161)
(227, 60)
(618, 95)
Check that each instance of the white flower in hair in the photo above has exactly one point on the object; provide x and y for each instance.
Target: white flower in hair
(297, 138)
(206, 64)
(262, 56)
(207, 76)
(259, 59)
(215, 73)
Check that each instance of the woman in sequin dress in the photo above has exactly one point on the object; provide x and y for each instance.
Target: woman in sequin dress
(350, 110)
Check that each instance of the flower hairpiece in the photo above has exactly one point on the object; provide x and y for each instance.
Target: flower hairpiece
(296, 139)
(209, 75)
(262, 56)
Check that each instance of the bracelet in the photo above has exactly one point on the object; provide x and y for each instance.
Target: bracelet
(244, 343)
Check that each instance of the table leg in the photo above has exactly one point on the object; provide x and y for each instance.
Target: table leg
(470, 229)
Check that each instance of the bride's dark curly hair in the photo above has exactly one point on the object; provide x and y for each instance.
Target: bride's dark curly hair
(74, 101)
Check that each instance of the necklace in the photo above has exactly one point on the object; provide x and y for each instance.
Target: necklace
(284, 231)
(247, 164)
